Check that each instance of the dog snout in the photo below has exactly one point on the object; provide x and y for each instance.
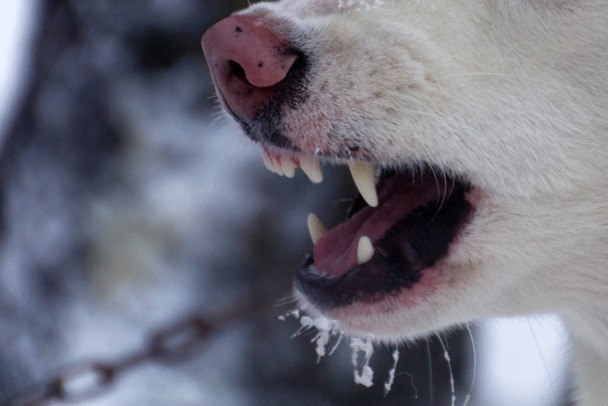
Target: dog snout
(247, 61)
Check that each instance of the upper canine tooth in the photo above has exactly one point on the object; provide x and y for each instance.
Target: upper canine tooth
(312, 168)
(364, 176)
(289, 168)
(315, 228)
(365, 250)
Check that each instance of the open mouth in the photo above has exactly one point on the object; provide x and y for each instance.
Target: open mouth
(400, 223)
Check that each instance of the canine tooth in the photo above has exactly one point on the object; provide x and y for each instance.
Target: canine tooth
(315, 228)
(363, 175)
(365, 250)
(289, 168)
(312, 168)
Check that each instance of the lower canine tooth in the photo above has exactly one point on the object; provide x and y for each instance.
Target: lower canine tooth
(365, 250)
(312, 168)
(364, 177)
(315, 228)
(289, 168)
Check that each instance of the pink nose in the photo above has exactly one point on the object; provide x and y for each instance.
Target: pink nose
(246, 60)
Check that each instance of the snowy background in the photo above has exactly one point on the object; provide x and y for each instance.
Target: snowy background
(128, 202)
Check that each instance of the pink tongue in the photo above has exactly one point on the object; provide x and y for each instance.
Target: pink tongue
(336, 252)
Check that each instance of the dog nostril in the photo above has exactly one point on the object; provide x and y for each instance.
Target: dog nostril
(237, 84)
(247, 59)
(237, 71)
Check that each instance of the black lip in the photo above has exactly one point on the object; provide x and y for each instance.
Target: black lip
(413, 244)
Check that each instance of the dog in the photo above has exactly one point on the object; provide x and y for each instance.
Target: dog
(477, 135)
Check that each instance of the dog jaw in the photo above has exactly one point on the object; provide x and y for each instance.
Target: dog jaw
(500, 94)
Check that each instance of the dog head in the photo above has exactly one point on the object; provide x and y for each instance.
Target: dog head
(473, 132)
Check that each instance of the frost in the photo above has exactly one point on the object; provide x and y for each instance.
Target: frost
(364, 376)
(320, 323)
(362, 347)
(446, 356)
(391, 374)
(322, 339)
(335, 347)
(327, 329)
(294, 313)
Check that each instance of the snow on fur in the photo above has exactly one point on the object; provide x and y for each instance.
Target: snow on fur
(362, 347)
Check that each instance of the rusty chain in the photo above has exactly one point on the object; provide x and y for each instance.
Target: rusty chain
(89, 379)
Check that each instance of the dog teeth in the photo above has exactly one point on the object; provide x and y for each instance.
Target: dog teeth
(312, 168)
(364, 176)
(285, 166)
(365, 250)
(272, 164)
(288, 167)
(268, 162)
(315, 228)
(276, 163)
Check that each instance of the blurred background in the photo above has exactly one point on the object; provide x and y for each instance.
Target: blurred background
(128, 201)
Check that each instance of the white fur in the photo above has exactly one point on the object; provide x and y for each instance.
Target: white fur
(510, 94)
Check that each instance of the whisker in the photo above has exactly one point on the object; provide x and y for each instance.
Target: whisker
(542, 357)
(468, 397)
(447, 358)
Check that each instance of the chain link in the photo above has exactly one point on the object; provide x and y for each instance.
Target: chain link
(86, 380)
(180, 341)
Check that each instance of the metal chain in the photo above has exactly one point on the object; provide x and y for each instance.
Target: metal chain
(89, 379)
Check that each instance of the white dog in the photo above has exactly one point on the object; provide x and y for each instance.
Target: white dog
(477, 134)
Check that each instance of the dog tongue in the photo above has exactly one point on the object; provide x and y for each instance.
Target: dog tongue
(336, 252)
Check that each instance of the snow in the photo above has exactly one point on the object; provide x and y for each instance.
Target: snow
(362, 347)
(326, 329)
(391, 374)
(364, 375)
